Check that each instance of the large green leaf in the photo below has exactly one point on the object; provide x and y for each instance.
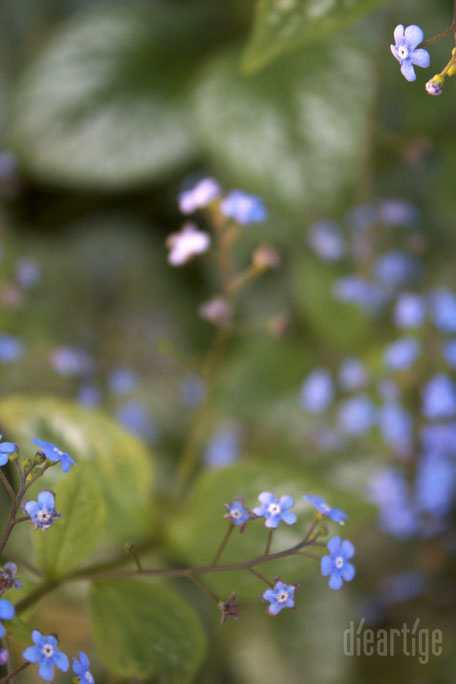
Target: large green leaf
(102, 104)
(122, 465)
(75, 536)
(283, 25)
(143, 629)
(196, 532)
(294, 133)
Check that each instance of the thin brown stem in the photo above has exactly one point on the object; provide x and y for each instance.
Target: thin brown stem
(261, 577)
(224, 543)
(201, 585)
(268, 543)
(8, 486)
(10, 676)
(439, 36)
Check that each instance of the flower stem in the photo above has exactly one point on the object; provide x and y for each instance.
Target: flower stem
(260, 576)
(439, 36)
(223, 544)
(268, 543)
(10, 676)
(8, 487)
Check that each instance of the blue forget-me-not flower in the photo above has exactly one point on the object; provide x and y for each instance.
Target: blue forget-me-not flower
(275, 510)
(337, 564)
(46, 652)
(280, 597)
(55, 454)
(406, 52)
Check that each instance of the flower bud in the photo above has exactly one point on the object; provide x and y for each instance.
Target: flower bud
(265, 257)
(4, 656)
(435, 85)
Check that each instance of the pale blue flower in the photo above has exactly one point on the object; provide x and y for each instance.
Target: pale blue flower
(280, 597)
(337, 564)
(406, 52)
(275, 510)
(46, 652)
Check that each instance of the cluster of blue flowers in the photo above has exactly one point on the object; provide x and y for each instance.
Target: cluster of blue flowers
(276, 510)
(47, 655)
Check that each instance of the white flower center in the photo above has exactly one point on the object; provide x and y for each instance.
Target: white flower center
(43, 515)
(324, 508)
(282, 597)
(58, 452)
(88, 677)
(403, 52)
(47, 651)
(236, 513)
(274, 508)
(339, 562)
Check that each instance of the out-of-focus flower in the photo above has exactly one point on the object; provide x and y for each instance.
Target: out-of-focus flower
(122, 380)
(395, 268)
(449, 350)
(11, 349)
(317, 391)
(135, 417)
(7, 612)
(28, 272)
(46, 652)
(4, 656)
(192, 390)
(322, 507)
(264, 257)
(216, 310)
(326, 240)
(89, 395)
(356, 415)
(6, 449)
(69, 361)
(396, 427)
(443, 308)
(398, 212)
(202, 194)
(280, 597)
(243, 208)
(275, 510)
(409, 311)
(187, 243)
(439, 398)
(337, 564)
(224, 446)
(398, 514)
(42, 512)
(401, 354)
(405, 50)
(369, 296)
(229, 609)
(352, 374)
(55, 454)
(435, 482)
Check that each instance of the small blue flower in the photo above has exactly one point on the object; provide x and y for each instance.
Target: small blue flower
(8, 579)
(46, 653)
(449, 350)
(435, 481)
(237, 513)
(356, 415)
(396, 426)
(281, 596)
(405, 50)
(439, 398)
(135, 417)
(7, 448)
(81, 669)
(410, 310)
(326, 240)
(336, 565)
(352, 288)
(122, 380)
(389, 490)
(443, 306)
(401, 354)
(7, 612)
(42, 512)
(243, 208)
(317, 391)
(68, 361)
(204, 192)
(275, 510)
(352, 374)
(11, 349)
(396, 212)
(224, 446)
(27, 272)
(55, 454)
(89, 395)
(334, 513)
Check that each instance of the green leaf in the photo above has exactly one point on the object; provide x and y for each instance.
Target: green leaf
(19, 631)
(294, 133)
(283, 25)
(122, 464)
(74, 537)
(338, 323)
(98, 107)
(143, 629)
(198, 528)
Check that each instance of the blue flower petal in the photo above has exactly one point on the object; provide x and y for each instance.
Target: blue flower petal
(421, 58)
(286, 501)
(347, 549)
(273, 521)
(326, 565)
(269, 595)
(335, 581)
(2, 631)
(30, 507)
(266, 498)
(407, 70)
(32, 654)
(6, 610)
(78, 669)
(46, 499)
(288, 517)
(334, 546)
(38, 638)
(3, 458)
(46, 669)
(85, 662)
(275, 608)
(348, 572)
(399, 33)
(61, 660)
(413, 35)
